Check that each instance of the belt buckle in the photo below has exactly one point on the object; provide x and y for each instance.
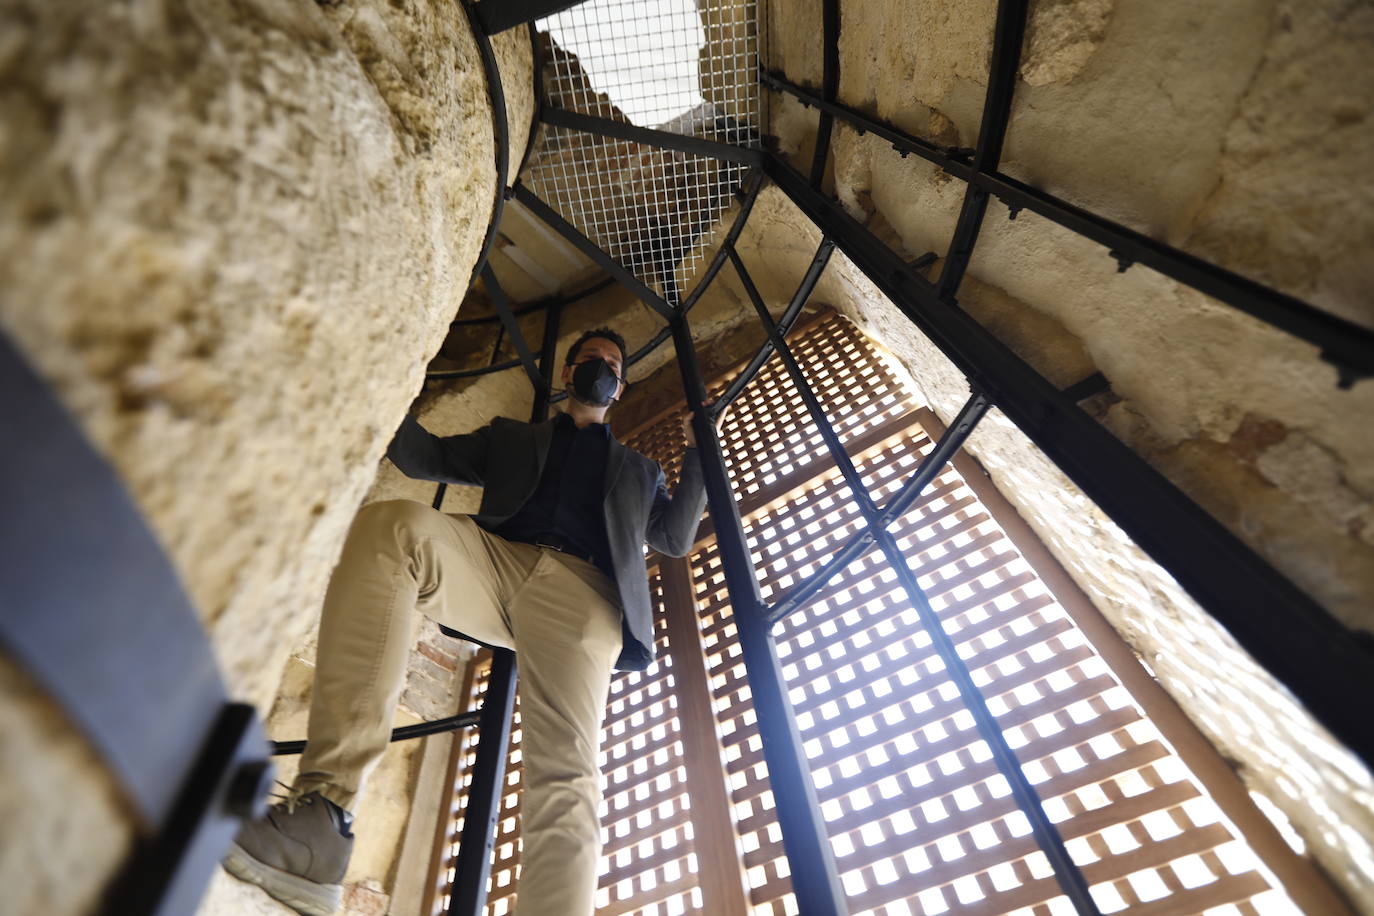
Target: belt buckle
(550, 546)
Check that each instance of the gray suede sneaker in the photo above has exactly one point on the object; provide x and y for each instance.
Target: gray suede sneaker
(298, 853)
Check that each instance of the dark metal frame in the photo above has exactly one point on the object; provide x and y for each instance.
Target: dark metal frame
(1346, 345)
(1285, 630)
(89, 597)
(662, 139)
(478, 14)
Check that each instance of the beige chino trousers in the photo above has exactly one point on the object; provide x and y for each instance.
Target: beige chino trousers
(560, 614)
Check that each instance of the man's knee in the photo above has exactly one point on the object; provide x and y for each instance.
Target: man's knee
(404, 519)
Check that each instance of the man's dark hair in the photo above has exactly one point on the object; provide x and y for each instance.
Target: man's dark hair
(604, 334)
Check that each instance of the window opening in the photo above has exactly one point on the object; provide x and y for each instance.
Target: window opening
(918, 817)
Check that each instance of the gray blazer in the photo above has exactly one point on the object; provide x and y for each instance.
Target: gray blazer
(506, 457)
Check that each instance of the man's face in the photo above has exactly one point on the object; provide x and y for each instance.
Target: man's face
(592, 348)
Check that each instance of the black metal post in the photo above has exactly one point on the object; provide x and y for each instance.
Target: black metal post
(814, 876)
(473, 868)
(1070, 878)
(959, 430)
(512, 328)
(756, 181)
(537, 63)
(484, 796)
(548, 359)
(830, 86)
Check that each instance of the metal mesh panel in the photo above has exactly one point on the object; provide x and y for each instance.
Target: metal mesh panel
(656, 61)
(680, 67)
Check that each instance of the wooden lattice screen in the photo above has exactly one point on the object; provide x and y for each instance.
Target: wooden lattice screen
(919, 818)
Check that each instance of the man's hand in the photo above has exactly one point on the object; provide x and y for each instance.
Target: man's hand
(690, 433)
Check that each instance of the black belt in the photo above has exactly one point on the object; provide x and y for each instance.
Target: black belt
(556, 543)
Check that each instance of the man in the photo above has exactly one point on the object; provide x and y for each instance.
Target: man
(552, 566)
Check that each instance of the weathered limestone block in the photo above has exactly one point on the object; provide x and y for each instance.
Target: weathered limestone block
(1294, 167)
(55, 796)
(232, 232)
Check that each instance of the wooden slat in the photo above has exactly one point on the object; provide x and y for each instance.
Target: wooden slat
(675, 820)
(722, 879)
(637, 901)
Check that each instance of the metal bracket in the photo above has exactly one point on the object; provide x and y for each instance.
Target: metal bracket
(94, 612)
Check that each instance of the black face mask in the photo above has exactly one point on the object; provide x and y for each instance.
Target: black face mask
(594, 382)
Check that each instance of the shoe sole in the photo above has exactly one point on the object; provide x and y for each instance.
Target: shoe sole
(301, 894)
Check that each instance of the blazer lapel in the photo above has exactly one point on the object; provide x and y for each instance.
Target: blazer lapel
(615, 459)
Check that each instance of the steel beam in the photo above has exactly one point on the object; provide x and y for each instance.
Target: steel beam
(929, 468)
(1006, 58)
(830, 86)
(755, 182)
(498, 299)
(815, 879)
(1285, 630)
(662, 139)
(532, 138)
(473, 868)
(498, 706)
(404, 733)
(539, 306)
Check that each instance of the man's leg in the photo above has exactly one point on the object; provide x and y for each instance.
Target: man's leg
(566, 621)
(398, 555)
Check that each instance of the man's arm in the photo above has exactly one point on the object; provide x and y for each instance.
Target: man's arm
(673, 519)
(451, 459)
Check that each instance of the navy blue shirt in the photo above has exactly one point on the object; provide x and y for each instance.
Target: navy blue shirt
(567, 506)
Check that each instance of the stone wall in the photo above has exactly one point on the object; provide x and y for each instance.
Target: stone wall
(1229, 132)
(232, 232)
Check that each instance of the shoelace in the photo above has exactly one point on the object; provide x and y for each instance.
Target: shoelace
(290, 799)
